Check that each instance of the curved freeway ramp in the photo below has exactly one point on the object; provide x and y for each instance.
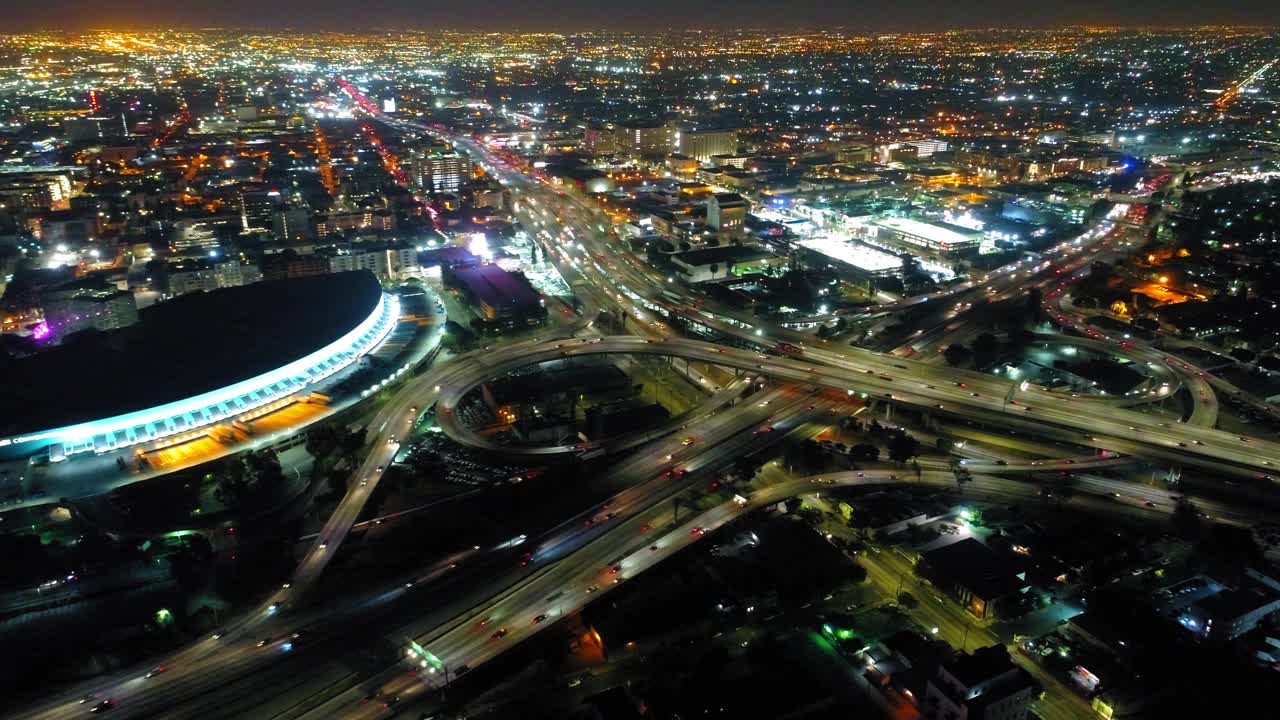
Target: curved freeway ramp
(973, 396)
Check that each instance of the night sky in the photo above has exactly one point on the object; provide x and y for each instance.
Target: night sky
(621, 14)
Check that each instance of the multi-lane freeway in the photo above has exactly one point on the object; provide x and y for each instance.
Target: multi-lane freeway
(946, 391)
(586, 556)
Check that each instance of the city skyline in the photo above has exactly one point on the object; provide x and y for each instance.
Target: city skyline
(658, 16)
(638, 374)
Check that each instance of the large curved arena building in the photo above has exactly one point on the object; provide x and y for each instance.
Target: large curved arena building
(190, 364)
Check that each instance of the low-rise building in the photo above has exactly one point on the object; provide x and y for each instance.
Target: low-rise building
(695, 266)
(204, 275)
(984, 685)
(78, 306)
(940, 238)
(383, 262)
(498, 297)
(978, 577)
(727, 213)
(1231, 612)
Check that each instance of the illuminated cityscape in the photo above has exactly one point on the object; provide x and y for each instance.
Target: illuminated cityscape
(901, 371)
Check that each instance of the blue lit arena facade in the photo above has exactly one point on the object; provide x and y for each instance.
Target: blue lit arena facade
(375, 314)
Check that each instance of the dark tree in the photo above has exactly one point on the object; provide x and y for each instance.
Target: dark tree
(864, 452)
(1186, 518)
(1035, 309)
(903, 447)
(1020, 337)
(956, 354)
(985, 347)
(323, 440)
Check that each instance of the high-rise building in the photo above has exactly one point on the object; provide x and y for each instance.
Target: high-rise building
(925, 148)
(196, 236)
(256, 208)
(600, 140)
(289, 264)
(385, 262)
(337, 223)
(646, 140)
(438, 169)
(701, 145)
(34, 191)
(292, 224)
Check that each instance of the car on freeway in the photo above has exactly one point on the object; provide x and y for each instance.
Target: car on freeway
(499, 633)
(539, 618)
(88, 698)
(592, 588)
(103, 706)
(614, 570)
(698, 531)
(264, 642)
(156, 671)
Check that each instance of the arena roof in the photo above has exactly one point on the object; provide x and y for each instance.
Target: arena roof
(183, 348)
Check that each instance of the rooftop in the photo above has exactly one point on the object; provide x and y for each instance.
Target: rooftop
(852, 253)
(932, 232)
(723, 254)
(982, 665)
(975, 566)
(494, 286)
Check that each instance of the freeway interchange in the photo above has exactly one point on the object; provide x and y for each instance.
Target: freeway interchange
(969, 395)
(486, 605)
